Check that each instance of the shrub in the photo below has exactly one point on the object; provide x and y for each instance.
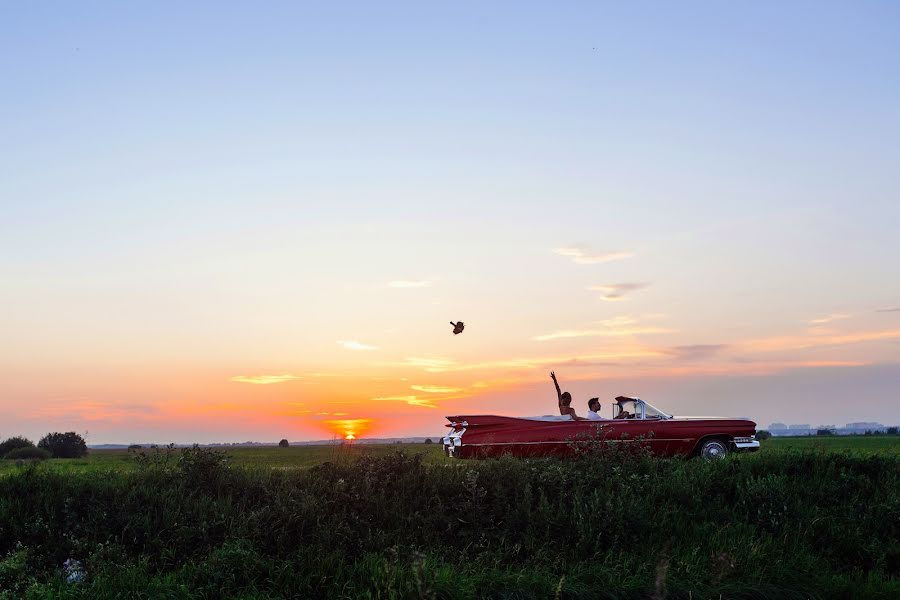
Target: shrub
(27, 452)
(13, 443)
(824, 432)
(428, 441)
(763, 434)
(283, 444)
(64, 445)
(892, 431)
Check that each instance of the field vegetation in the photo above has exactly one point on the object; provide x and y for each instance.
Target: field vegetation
(371, 522)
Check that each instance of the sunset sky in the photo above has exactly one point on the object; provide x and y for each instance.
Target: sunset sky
(249, 221)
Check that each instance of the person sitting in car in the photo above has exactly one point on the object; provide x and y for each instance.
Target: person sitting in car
(565, 400)
(593, 413)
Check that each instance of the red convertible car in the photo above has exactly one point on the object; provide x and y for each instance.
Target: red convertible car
(634, 422)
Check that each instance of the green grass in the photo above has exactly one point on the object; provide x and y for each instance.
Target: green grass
(803, 518)
(294, 457)
(302, 457)
(376, 524)
(859, 444)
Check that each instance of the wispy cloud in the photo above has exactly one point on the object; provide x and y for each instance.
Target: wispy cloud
(696, 351)
(94, 411)
(580, 255)
(774, 344)
(617, 332)
(264, 379)
(354, 345)
(429, 362)
(431, 365)
(888, 310)
(434, 389)
(829, 318)
(613, 292)
(411, 400)
(410, 283)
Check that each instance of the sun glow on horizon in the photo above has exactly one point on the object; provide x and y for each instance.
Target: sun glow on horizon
(349, 429)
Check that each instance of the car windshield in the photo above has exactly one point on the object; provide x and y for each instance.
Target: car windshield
(630, 408)
(651, 412)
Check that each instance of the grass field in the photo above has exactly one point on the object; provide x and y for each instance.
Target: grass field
(307, 456)
(803, 518)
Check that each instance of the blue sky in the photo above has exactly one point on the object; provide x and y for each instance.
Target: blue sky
(192, 193)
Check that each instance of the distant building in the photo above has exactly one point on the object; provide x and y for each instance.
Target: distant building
(777, 426)
(800, 426)
(866, 426)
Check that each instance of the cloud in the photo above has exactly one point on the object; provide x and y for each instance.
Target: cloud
(429, 363)
(888, 310)
(696, 351)
(354, 345)
(406, 283)
(775, 344)
(579, 255)
(444, 366)
(93, 410)
(411, 400)
(613, 292)
(829, 318)
(575, 333)
(435, 389)
(264, 379)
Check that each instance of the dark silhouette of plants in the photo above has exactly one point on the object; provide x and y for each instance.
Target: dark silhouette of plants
(64, 445)
(14, 442)
(27, 452)
(284, 444)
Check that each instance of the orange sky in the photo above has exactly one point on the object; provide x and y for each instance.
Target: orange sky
(244, 224)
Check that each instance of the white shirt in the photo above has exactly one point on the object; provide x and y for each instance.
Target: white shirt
(592, 416)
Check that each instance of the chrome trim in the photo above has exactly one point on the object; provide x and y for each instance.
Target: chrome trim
(453, 440)
(754, 445)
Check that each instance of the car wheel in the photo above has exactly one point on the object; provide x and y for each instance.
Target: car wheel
(713, 450)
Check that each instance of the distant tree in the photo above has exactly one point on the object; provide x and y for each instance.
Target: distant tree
(24, 452)
(13, 443)
(429, 441)
(892, 431)
(135, 447)
(763, 434)
(64, 445)
(283, 444)
(824, 432)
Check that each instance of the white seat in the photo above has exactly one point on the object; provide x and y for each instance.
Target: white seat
(550, 418)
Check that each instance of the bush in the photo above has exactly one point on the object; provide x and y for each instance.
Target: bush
(13, 443)
(28, 452)
(824, 432)
(135, 447)
(64, 445)
(428, 441)
(283, 444)
(763, 434)
(617, 525)
(892, 431)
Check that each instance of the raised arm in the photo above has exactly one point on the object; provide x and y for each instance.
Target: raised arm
(556, 383)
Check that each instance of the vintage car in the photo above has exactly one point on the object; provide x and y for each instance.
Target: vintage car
(634, 421)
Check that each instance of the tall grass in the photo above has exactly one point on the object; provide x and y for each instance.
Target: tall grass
(610, 525)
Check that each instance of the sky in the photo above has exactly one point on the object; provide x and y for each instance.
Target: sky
(229, 221)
